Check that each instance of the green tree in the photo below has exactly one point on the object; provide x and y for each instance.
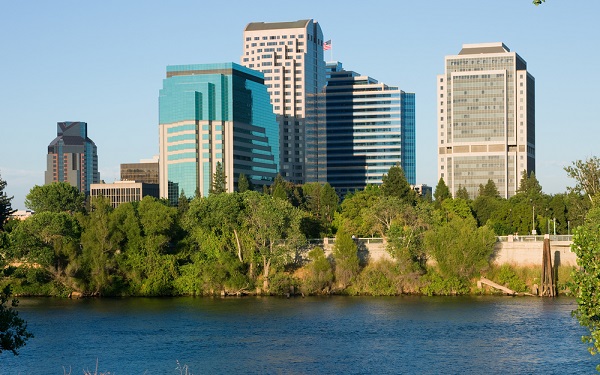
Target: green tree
(183, 203)
(5, 206)
(352, 216)
(219, 180)
(383, 212)
(396, 185)
(273, 228)
(320, 274)
(441, 192)
(13, 329)
(586, 174)
(585, 286)
(489, 190)
(49, 240)
(460, 248)
(55, 197)
(405, 237)
(345, 256)
(457, 207)
(487, 202)
(538, 2)
(329, 203)
(462, 193)
(244, 184)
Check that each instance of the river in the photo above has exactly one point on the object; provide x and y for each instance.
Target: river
(333, 335)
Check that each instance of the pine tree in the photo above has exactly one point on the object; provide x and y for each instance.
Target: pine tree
(441, 191)
(396, 185)
(244, 184)
(5, 206)
(462, 193)
(489, 190)
(183, 204)
(219, 182)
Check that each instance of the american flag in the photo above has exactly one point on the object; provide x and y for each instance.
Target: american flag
(327, 45)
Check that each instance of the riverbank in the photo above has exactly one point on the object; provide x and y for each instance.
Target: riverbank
(375, 279)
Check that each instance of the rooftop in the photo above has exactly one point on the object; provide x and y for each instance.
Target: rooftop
(258, 26)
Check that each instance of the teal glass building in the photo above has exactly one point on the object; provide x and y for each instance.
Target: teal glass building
(210, 113)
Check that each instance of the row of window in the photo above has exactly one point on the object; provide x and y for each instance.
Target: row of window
(272, 37)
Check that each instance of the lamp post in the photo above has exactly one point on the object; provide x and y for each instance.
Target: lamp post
(533, 232)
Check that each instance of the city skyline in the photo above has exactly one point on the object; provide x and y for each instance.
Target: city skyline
(104, 63)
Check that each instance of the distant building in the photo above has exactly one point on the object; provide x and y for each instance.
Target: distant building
(370, 127)
(290, 55)
(72, 157)
(423, 190)
(486, 119)
(21, 214)
(121, 192)
(145, 171)
(215, 113)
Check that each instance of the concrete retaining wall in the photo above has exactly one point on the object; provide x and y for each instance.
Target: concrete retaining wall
(509, 251)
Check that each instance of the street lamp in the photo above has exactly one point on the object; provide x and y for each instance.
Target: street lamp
(533, 231)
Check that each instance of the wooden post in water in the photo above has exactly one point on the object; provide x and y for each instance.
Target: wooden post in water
(548, 288)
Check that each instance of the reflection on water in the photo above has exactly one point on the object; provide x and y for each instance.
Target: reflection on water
(424, 335)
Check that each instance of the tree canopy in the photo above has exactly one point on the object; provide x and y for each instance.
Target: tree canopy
(5, 206)
(13, 329)
(55, 197)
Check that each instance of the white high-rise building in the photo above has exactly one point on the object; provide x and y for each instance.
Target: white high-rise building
(486, 119)
(290, 55)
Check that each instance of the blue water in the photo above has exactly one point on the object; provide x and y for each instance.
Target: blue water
(336, 335)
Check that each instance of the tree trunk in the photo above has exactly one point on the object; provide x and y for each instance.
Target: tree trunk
(239, 245)
(267, 266)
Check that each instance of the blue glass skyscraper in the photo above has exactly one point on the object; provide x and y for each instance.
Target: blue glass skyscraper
(370, 127)
(210, 113)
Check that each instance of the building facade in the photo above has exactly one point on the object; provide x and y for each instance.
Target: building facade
(72, 157)
(145, 171)
(370, 127)
(486, 119)
(121, 192)
(290, 55)
(215, 113)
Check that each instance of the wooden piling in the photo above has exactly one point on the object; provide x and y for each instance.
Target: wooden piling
(548, 288)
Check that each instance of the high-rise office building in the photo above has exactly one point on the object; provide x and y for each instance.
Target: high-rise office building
(370, 127)
(486, 119)
(290, 55)
(72, 157)
(215, 113)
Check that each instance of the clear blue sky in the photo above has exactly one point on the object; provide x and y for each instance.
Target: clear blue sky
(103, 63)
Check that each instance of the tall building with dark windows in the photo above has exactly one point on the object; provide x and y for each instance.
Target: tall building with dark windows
(215, 113)
(369, 127)
(72, 157)
(290, 55)
(486, 119)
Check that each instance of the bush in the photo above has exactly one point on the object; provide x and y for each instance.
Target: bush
(435, 284)
(280, 284)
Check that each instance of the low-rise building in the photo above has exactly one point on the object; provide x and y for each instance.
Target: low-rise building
(124, 191)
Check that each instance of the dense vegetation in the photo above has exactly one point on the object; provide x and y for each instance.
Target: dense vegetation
(260, 242)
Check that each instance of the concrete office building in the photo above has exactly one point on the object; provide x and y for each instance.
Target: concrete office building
(121, 192)
(370, 127)
(486, 119)
(290, 55)
(72, 157)
(215, 113)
